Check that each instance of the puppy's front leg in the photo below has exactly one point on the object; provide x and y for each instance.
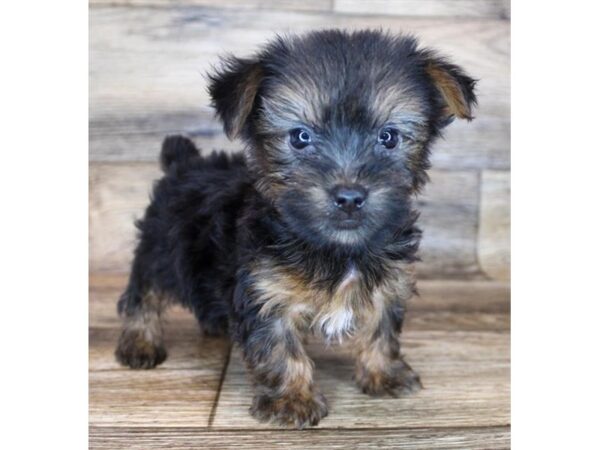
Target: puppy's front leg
(281, 370)
(283, 376)
(380, 368)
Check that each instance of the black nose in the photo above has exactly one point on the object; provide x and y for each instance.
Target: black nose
(349, 199)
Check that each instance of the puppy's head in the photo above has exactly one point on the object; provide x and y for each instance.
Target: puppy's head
(338, 126)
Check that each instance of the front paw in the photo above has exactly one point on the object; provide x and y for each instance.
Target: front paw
(397, 379)
(299, 410)
(135, 351)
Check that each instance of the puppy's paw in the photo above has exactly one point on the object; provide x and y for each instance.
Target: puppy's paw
(399, 379)
(137, 352)
(299, 411)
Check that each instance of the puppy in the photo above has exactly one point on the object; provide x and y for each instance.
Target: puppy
(312, 228)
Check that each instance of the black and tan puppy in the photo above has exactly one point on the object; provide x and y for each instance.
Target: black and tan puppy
(311, 229)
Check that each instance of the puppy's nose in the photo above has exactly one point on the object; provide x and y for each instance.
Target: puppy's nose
(349, 199)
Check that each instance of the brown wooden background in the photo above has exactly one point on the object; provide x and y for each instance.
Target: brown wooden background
(147, 65)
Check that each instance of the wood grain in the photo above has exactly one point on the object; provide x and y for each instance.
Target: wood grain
(119, 193)
(449, 215)
(494, 224)
(288, 5)
(422, 438)
(166, 398)
(147, 69)
(446, 8)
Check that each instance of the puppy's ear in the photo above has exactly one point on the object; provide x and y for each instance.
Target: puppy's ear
(233, 89)
(456, 89)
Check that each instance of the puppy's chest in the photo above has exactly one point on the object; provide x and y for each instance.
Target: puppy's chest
(338, 313)
(333, 312)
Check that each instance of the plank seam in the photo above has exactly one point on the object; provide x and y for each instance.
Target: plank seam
(213, 411)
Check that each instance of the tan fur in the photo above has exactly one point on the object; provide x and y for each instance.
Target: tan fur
(379, 365)
(396, 103)
(246, 101)
(141, 341)
(148, 319)
(288, 104)
(456, 103)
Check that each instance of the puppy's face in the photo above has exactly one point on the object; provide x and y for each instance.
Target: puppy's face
(338, 126)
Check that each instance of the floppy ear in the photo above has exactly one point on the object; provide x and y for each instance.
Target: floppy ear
(233, 89)
(456, 89)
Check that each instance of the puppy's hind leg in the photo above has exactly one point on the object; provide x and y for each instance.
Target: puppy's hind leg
(141, 342)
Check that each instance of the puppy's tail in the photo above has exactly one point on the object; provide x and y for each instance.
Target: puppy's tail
(177, 149)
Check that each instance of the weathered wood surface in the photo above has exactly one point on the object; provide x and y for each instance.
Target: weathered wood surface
(193, 438)
(147, 69)
(498, 9)
(449, 216)
(494, 224)
(165, 398)
(446, 8)
(456, 335)
(119, 193)
(238, 5)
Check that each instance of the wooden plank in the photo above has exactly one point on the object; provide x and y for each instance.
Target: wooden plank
(494, 228)
(441, 8)
(466, 377)
(166, 398)
(119, 194)
(449, 207)
(451, 305)
(462, 297)
(147, 66)
(193, 438)
(286, 5)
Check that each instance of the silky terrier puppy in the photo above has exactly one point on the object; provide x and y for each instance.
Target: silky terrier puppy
(311, 229)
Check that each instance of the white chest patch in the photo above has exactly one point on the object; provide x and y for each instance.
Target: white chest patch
(337, 322)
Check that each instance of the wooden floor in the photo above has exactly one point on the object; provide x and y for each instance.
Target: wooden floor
(457, 337)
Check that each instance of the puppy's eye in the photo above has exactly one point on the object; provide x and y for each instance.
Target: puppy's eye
(389, 138)
(300, 138)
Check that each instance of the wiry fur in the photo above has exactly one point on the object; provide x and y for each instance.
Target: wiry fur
(253, 244)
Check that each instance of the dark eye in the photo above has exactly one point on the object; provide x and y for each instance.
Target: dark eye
(300, 138)
(389, 138)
